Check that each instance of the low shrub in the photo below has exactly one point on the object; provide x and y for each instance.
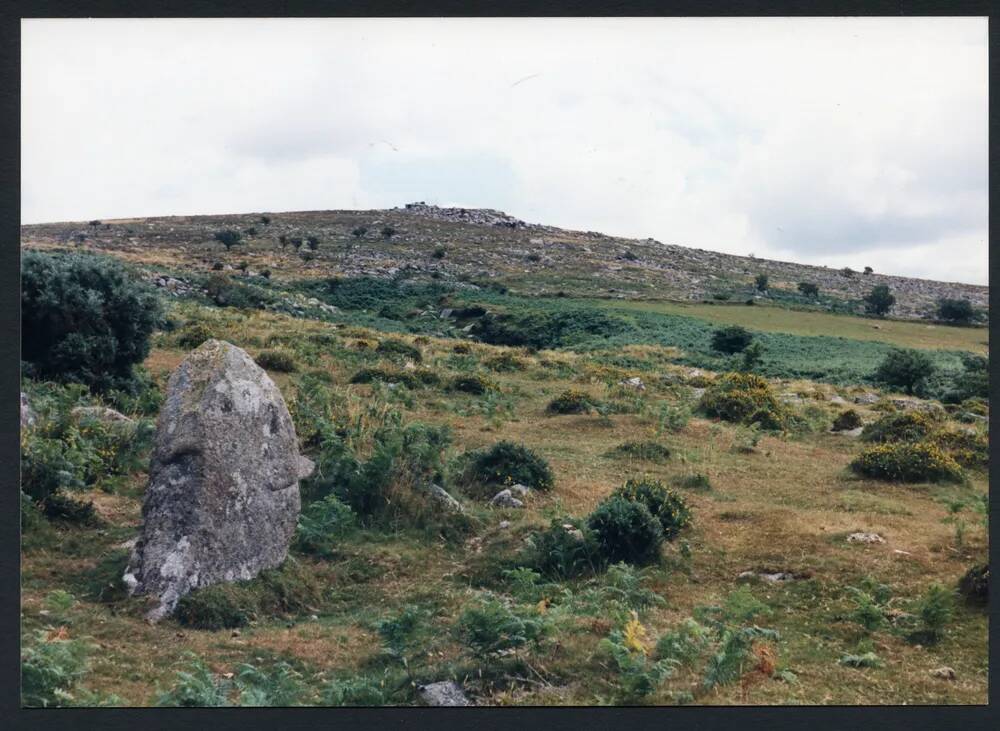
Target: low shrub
(505, 361)
(744, 398)
(907, 462)
(566, 549)
(847, 420)
(193, 334)
(733, 339)
(637, 675)
(281, 361)
(507, 463)
(935, 609)
(668, 507)
(398, 350)
(571, 402)
(647, 451)
(474, 384)
(975, 585)
(903, 426)
(224, 292)
(541, 329)
(626, 531)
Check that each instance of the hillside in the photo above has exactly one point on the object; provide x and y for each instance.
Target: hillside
(541, 477)
(478, 245)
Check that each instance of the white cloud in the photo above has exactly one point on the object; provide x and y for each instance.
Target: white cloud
(816, 140)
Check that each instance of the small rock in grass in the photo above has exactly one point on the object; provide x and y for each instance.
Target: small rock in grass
(866, 398)
(520, 489)
(504, 524)
(865, 538)
(505, 499)
(944, 673)
(441, 496)
(443, 693)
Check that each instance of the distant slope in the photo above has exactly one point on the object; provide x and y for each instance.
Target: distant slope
(479, 245)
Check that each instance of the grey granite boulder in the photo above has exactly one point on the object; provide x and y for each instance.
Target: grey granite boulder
(506, 499)
(223, 496)
(443, 693)
(27, 413)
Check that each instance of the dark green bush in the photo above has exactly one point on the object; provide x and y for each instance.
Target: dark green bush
(474, 384)
(228, 238)
(696, 481)
(572, 401)
(626, 531)
(367, 375)
(879, 301)
(761, 282)
(847, 420)
(955, 310)
(505, 361)
(668, 507)
(732, 339)
(906, 369)
(809, 289)
(84, 319)
(506, 463)
(540, 329)
(975, 584)
(281, 361)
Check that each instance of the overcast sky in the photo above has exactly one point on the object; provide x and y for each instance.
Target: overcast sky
(844, 142)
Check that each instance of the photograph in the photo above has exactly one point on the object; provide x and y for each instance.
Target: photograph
(501, 362)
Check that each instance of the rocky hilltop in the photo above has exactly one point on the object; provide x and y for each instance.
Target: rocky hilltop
(478, 246)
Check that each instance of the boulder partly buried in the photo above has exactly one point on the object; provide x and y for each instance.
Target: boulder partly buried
(223, 496)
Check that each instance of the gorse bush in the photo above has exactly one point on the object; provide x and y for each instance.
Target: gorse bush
(956, 310)
(224, 292)
(413, 379)
(907, 462)
(743, 398)
(847, 420)
(505, 361)
(84, 319)
(626, 531)
(507, 463)
(968, 448)
(975, 585)
(193, 334)
(667, 507)
(906, 426)
(733, 339)
(571, 402)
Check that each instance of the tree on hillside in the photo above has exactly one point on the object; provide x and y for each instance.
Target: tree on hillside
(732, 339)
(84, 318)
(880, 300)
(906, 369)
(761, 282)
(312, 242)
(228, 238)
(955, 310)
(809, 289)
(359, 232)
(868, 270)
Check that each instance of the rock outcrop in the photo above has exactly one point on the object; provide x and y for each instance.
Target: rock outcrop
(223, 496)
